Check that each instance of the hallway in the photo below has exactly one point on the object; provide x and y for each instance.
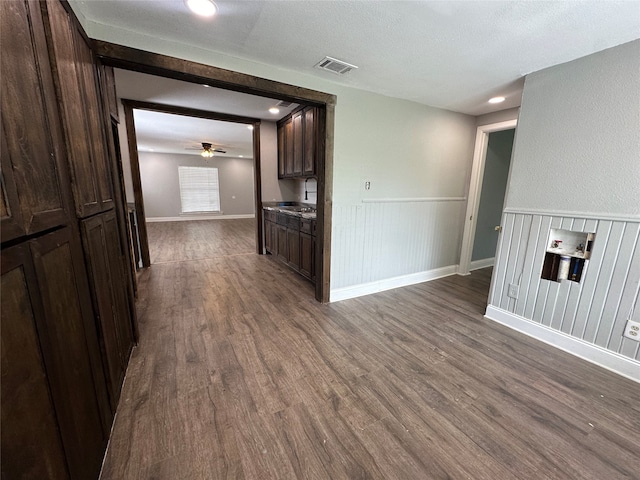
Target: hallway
(240, 373)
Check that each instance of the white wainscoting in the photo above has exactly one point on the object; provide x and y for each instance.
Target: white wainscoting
(387, 243)
(593, 311)
(482, 263)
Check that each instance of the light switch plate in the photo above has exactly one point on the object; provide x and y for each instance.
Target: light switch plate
(513, 290)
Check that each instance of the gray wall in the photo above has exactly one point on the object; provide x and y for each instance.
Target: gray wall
(161, 189)
(576, 166)
(578, 136)
(272, 188)
(494, 185)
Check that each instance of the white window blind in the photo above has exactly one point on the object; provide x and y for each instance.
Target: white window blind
(199, 189)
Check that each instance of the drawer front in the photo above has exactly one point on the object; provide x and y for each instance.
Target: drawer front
(293, 223)
(270, 216)
(305, 226)
(282, 219)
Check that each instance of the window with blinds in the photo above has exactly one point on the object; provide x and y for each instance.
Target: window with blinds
(199, 189)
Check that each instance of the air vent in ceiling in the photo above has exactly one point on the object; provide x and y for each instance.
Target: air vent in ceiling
(336, 66)
(284, 104)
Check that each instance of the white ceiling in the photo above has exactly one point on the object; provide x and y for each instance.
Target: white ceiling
(167, 133)
(448, 54)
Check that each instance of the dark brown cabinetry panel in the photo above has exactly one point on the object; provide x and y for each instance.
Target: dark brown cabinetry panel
(68, 337)
(32, 145)
(309, 154)
(268, 242)
(109, 91)
(298, 144)
(281, 238)
(102, 253)
(31, 445)
(288, 149)
(79, 113)
(298, 138)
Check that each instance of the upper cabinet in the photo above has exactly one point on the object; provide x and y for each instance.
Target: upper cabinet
(298, 143)
(32, 144)
(77, 84)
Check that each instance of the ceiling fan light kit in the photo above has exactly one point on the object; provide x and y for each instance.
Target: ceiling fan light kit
(206, 150)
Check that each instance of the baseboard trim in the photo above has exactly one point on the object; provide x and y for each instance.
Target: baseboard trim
(483, 263)
(390, 283)
(592, 353)
(187, 218)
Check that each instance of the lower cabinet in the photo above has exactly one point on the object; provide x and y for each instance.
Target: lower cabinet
(291, 240)
(105, 258)
(54, 397)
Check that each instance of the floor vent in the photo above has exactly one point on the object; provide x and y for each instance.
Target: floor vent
(335, 66)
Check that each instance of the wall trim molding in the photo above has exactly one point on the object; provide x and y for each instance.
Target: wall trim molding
(186, 218)
(612, 361)
(416, 199)
(563, 213)
(482, 263)
(362, 289)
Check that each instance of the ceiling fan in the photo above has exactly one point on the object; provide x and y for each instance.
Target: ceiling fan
(207, 149)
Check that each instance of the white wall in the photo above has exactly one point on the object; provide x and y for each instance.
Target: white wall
(406, 150)
(161, 188)
(576, 165)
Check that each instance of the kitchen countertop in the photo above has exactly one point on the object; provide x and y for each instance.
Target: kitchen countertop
(293, 209)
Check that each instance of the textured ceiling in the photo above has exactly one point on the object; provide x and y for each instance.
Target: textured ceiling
(165, 133)
(448, 54)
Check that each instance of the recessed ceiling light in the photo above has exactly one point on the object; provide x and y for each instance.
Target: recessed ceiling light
(496, 100)
(241, 156)
(250, 127)
(274, 110)
(204, 8)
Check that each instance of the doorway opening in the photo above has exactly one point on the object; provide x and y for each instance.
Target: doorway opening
(489, 177)
(162, 66)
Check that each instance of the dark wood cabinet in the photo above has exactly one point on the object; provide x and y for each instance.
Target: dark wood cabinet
(44, 296)
(103, 257)
(298, 137)
(292, 240)
(309, 142)
(287, 160)
(56, 407)
(82, 120)
(32, 145)
(31, 445)
(307, 248)
(298, 144)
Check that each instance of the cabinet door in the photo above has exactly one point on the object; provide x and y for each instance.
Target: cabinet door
(93, 109)
(31, 446)
(297, 144)
(306, 254)
(68, 341)
(109, 290)
(309, 157)
(281, 151)
(108, 86)
(281, 235)
(74, 111)
(267, 236)
(32, 144)
(288, 148)
(293, 244)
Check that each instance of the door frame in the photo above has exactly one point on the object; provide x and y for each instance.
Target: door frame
(129, 107)
(143, 61)
(475, 189)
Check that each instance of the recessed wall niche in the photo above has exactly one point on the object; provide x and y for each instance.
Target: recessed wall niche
(567, 255)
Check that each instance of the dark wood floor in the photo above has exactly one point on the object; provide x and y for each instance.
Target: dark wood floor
(241, 374)
(200, 239)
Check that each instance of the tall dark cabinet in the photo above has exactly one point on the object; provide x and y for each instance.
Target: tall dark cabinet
(66, 302)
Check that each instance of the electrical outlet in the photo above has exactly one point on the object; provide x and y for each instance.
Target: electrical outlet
(632, 330)
(367, 185)
(513, 290)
